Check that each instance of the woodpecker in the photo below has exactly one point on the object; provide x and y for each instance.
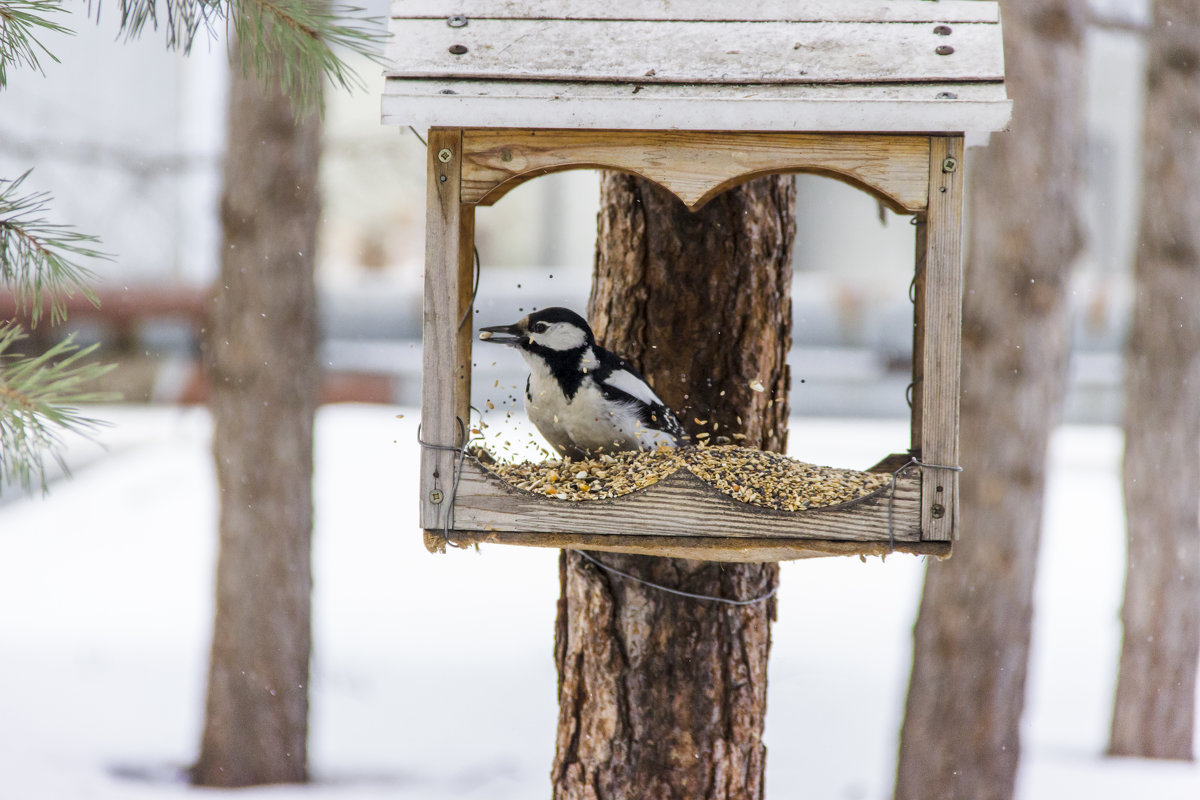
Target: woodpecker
(584, 399)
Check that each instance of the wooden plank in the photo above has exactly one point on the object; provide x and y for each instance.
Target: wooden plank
(683, 505)
(737, 550)
(695, 52)
(942, 354)
(445, 377)
(901, 108)
(707, 10)
(697, 166)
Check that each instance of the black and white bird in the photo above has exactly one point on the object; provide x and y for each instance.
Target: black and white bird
(583, 399)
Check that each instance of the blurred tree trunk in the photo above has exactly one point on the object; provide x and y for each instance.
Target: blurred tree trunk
(1154, 712)
(960, 737)
(261, 351)
(663, 697)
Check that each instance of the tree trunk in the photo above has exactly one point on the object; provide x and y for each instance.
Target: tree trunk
(261, 351)
(960, 736)
(1154, 711)
(661, 696)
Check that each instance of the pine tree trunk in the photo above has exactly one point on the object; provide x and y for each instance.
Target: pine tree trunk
(1154, 711)
(663, 697)
(960, 737)
(261, 351)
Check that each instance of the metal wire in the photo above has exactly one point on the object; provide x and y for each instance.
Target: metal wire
(678, 592)
(458, 467)
(912, 462)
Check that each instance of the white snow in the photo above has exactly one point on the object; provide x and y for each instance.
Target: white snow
(433, 675)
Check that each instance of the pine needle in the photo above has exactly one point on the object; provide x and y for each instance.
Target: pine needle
(19, 19)
(292, 42)
(39, 396)
(40, 258)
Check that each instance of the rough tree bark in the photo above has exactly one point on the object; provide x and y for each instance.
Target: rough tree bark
(960, 736)
(660, 696)
(1154, 710)
(261, 353)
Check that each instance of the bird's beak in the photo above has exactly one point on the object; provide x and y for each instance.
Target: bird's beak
(501, 334)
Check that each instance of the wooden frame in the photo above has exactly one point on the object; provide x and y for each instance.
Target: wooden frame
(463, 503)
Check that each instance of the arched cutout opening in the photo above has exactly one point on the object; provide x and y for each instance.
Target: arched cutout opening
(852, 314)
(697, 167)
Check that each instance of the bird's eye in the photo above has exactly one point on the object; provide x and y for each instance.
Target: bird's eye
(540, 327)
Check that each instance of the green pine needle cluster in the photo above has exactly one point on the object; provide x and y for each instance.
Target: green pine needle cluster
(39, 396)
(293, 42)
(38, 258)
(19, 20)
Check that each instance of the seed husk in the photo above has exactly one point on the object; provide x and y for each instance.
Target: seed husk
(751, 476)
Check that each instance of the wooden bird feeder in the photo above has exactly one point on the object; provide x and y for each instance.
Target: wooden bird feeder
(697, 97)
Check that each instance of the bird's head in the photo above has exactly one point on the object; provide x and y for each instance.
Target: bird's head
(551, 329)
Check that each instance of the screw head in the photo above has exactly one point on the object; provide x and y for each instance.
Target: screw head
(942, 30)
(457, 49)
(435, 497)
(444, 155)
(943, 50)
(457, 21)
(950, 164)
(937, 510)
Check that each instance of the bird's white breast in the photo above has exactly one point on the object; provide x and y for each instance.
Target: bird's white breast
(585, 421)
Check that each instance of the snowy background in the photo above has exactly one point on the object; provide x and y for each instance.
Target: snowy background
(433, 675)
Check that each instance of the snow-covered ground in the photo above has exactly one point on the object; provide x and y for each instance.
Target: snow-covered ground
(433, 675)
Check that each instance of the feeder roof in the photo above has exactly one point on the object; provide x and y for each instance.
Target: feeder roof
(770, 65)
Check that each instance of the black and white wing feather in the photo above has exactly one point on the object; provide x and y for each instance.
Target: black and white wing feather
(619, 382)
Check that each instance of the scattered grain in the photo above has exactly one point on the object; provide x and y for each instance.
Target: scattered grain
(751, 476)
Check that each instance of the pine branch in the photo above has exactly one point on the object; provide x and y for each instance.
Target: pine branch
(293, 42)
(38, 399)
(19, 19)
(184, 19)
(39, 258)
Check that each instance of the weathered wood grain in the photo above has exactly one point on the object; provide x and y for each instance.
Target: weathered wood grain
(708, 10)
(683, 505)
(941, 359)
(446, 362)
(912, 108)
(696, 166)
(695, 52)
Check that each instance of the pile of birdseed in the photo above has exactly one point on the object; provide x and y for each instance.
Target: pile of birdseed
(594, 479)
(775, 481)
(751, 476)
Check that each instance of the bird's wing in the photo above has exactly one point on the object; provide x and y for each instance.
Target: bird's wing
(619, 381)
